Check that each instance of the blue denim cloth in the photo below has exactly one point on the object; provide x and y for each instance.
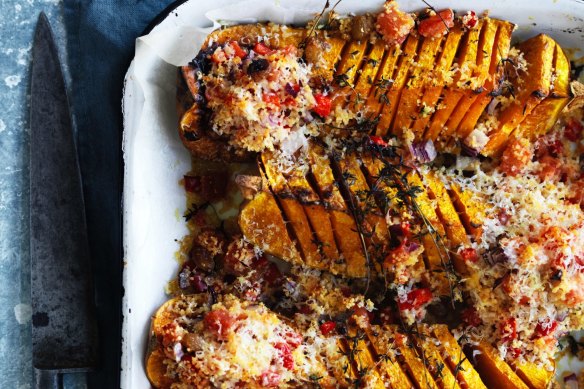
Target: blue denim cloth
(100, 45)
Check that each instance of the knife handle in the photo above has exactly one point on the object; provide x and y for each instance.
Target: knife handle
(47, 379)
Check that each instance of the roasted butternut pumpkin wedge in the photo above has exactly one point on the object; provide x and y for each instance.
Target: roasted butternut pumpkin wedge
(415, 365)
(344, 226)
(323, 51)
(427, 346)
(562, 73)
(532, 89)
(542, 118)
(471, 211)
(387, 199)
(296, 218)
(293, 210)
(317, 215)
(545, 114)
(418, 76)
(344, 349)
(439, 79)
(347, 72)
(536, 377)
(196, 139)
(456, 359)
(481, 73)
(392, 96)
(494, 371)
(499, 52)
(383, 344)
(371, 66)
(434, 245)
(450, 219)
(156, 368)
(467, 60)
(261, 222)
(372, 167)
(364, 362)
(374, 225)
(377, 99)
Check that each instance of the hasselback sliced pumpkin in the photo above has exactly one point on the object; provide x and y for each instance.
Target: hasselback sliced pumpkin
(532, 88)
(434, 88)
(426, 356)
(546, 113)
(467, 60)
(262, 223)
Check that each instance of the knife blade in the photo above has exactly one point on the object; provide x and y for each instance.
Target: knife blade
(64, 333)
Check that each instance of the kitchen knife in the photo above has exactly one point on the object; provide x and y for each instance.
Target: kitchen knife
(64, 334)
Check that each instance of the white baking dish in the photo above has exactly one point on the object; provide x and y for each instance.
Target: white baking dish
(155, 159)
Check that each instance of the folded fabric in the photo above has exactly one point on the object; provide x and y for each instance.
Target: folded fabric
(100, 45)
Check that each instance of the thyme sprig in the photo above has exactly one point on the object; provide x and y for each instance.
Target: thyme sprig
(317, 19)
(394, 174)
(194, 209)
(352, 354)
(358, 217)
(504, 81)
(415, 333)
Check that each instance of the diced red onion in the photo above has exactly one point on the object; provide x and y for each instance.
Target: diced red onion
(291, 90)
(412, 246)
(469, 151)
(561, 316)
(398, 234)
(178, 352)
(198, 283)
(424, 152)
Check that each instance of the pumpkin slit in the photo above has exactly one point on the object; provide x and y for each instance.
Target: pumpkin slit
(371, 66)
(500, 51)
(394, 369)
(456, 92)
(435, 89)
(377, 98)
(415, 81)
(538, 53)
(355, 212)
(466, 56)
(482, 73)
(545, 114)
(344, 227)
(320, 223)
(392, 96)
(287, 221)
